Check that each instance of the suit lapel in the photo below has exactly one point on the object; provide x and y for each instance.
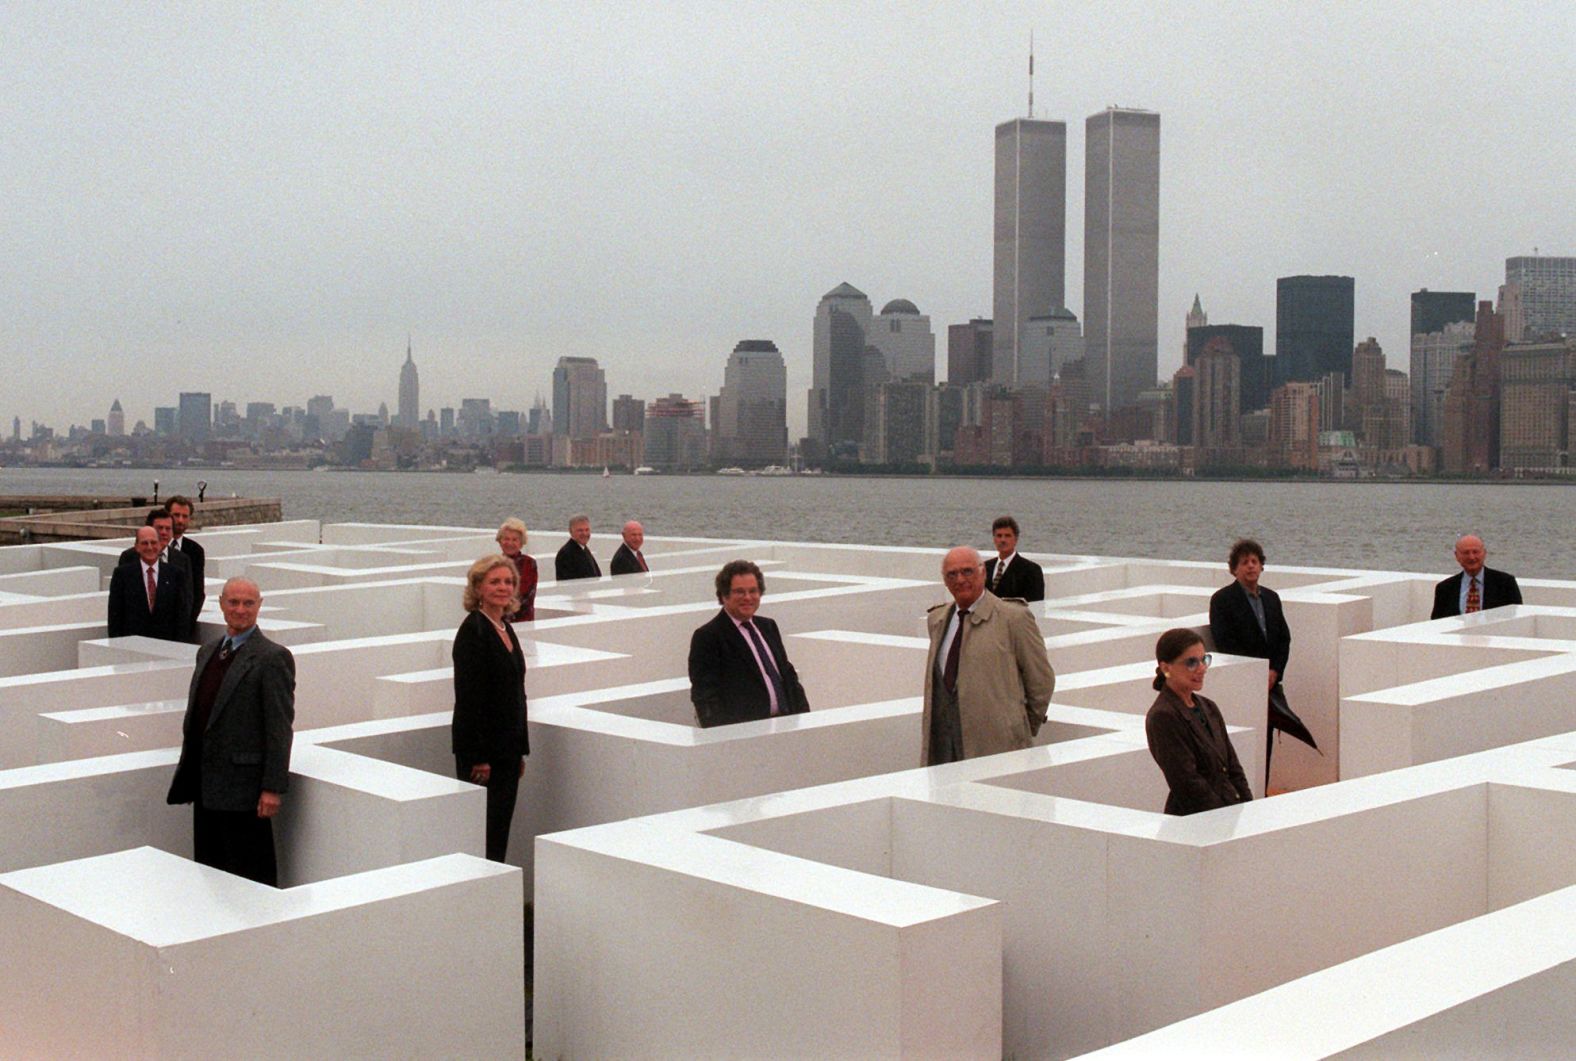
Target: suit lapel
(244, 658)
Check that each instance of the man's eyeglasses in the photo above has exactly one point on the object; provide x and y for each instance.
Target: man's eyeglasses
(953, 576)
(1195, 662)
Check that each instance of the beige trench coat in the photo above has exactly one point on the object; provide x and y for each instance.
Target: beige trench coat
(1005, 679)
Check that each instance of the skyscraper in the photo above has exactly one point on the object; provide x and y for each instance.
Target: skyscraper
(905, 340)
(1247, 342)
(1547, 290)
(1050, 340)
(1314, 327)
(1121, 254)
(196, 416)
(579, 398)
(840, 368)
(409, 391)
(1441, 329)
(117, 419)
(752, 408)
(1030, 264)
(969, 352)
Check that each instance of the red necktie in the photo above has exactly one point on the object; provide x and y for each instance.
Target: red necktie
(1474, 598)
(642, 560)
(949, 672)
(153, 589)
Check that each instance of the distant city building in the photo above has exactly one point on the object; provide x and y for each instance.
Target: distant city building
(1247, 342)
(751, 427)
(539, 421)
(1537, 393)
(1293, 438)
(675, 437)
(475, 419)
(579, 398)
(970, 352)
(409, 391)
(446, 422)
(839, 370)
(629, 414)
(116, 423)
(1314, 326)
(895, 422)
(164, 420)
(1048, 341)
(508, 423)
(905, 340)
(1121, 272)
(1196, 317)
(1030, 257)
(1217, 402)
(1442, 329)
(1469, 429)
(1546, 289)
(196, 416)
(1432, 310)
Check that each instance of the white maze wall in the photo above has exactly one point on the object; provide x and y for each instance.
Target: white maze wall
(796, 886)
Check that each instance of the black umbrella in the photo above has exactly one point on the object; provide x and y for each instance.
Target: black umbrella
(1283, 718)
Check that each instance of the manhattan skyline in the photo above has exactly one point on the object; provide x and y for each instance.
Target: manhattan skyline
(240, 201)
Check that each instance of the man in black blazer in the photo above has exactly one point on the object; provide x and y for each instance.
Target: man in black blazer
(1246, 619)
(1019, 576)
(628, 560)
(164, 523)
(162, 612)
(574, 560)
(180, 510)
(738, 668)
(235, 750)
(1476, 588)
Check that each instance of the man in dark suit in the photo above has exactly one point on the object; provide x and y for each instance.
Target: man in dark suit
(574, 560)
(180, 510)
(1008, 575)
(235, 752)
(164, 523)
(1246, 619)
(149, 596)
(628, 559)
(738, 668)
(1476, 588)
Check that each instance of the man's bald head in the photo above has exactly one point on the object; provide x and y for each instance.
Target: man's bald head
(1471, 553)
(963, 574)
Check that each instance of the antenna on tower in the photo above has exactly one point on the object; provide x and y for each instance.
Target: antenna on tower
(1031, 73)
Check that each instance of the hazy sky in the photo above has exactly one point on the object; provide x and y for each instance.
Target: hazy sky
(262, 200)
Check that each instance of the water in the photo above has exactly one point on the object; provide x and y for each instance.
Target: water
(1393, 526)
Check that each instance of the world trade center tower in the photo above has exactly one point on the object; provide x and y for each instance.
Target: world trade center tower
(1031, 233)
(1121, 254)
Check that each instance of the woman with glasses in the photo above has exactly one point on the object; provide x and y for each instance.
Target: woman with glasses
(1186, 734)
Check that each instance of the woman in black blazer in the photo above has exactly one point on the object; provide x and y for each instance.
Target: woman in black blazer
(1187, 735)
(489, 695)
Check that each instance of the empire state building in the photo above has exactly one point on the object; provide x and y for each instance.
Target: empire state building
(409, 392)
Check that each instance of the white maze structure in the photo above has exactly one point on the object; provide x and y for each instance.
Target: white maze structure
(798, 886)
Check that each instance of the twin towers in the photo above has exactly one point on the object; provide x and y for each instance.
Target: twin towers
(1121, 266)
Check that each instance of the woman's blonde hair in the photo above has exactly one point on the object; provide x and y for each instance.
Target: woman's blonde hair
(479, 570)
(513, 523)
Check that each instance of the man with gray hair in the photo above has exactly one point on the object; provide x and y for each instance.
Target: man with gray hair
(574, 560)
(235, 749)
(987, 677)
(1476, 588)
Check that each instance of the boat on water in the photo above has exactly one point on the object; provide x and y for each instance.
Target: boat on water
(731, 471)
(775, 469)
(645, 469)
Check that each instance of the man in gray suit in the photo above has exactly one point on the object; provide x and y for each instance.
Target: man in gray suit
(235, 753)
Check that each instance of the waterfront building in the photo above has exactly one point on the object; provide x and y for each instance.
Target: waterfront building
(539, 420)
(409, 391)
(1121, 253)
(629, 414)
(1030, 247)
(896, 421)
(1433, 310)
(905, 340)
(1546, 288)
(1537, 391)
(1217, 408)
(1434, 356)
(1184, 389)
(970, 351)
(839, 371)
(1469, 441)
(1050, 340)
(475, 419)
(446, 422)
(1293, 437)
(1314, 326)
(751, 421)
(675, 437)
(196, 416)
(116, 422)
(579, 398)
(1247, 342)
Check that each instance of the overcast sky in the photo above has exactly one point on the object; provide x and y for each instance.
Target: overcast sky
(262, 200)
